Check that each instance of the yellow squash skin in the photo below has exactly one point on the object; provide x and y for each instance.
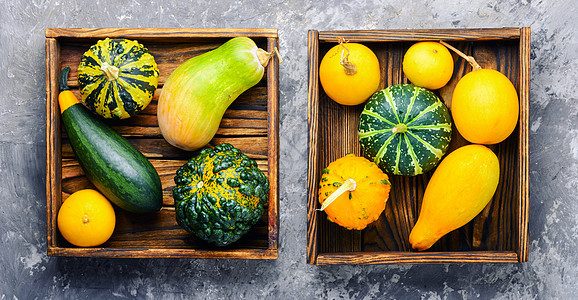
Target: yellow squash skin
(349, 89)
(485, 107)
(460, 188)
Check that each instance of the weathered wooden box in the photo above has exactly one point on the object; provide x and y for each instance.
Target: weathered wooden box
(250, 124)
(498, 235)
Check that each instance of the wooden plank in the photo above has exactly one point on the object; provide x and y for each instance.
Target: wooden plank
(167, 58)
(313, 143)
(414, 35)
(53, 158)
(74, 179)
(158, 33)
(273, 143)
(159, 148)
(159, 231)
(398, 258)
(163, 253)
(524, 146)
(247, 116)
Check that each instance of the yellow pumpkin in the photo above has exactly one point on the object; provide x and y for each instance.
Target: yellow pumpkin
(349, 73)
(461, 186)
(353, 191)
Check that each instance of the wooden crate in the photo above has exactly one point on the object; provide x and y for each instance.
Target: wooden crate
(498, 235)
(251, 124)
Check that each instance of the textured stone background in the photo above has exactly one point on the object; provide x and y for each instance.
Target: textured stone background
(26, 272)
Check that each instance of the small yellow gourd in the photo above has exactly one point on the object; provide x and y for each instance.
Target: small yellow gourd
(353, 191)
(462, 185)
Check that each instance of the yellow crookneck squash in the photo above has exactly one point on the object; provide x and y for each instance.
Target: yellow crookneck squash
(459, 189)
(353, 192)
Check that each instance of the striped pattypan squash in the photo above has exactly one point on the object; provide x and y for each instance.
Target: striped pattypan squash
(220, 193)
(353, 191)
(405, 129)
(117, 78)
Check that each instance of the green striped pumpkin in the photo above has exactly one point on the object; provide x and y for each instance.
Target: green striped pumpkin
(405, 129)
(117, 78)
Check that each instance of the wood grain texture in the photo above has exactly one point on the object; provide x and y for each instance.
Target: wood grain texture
(313, 137)
(158, 33)
(405, 35)
(250, 124)
(523, 240)
(53, 172)
(400, 258)
(497, 234)
(162, 253)
(272, 143)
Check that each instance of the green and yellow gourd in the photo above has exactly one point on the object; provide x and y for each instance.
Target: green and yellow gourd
(196, 95)
(219, 194)
(405, 129)
(117, 78)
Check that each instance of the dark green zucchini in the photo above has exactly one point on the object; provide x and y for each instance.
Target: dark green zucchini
(111, 163)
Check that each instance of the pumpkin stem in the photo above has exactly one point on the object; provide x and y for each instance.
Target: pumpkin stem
(110, 71)
(348, 67)
(348, 186)
(399, 128)
(469, 59)
(265, 56)
(63, 82)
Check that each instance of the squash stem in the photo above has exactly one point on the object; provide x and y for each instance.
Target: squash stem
(110, 71)
(348, 186)
(399, 128)
(264, 56)
(63, 82)
(469, 59)
(348, 67)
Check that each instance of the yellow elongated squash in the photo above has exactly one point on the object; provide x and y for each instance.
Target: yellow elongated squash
(462, 185)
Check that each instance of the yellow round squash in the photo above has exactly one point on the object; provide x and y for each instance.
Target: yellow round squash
(485, 107)
(428, 64)
(349, 73)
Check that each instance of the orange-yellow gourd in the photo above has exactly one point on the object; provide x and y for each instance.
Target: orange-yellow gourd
(349, 73)
(462, 185)
(485, 106)
(353, 191)
(86, 218)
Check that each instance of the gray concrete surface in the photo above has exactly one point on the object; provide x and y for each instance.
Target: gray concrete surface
(27, 273)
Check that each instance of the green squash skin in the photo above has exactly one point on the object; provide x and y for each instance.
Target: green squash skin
(201, 89)
(220, 194)
(117, 169)
(135, 86)
(428, 134)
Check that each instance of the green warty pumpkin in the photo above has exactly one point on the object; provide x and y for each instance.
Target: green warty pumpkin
(405, 129)
(117, 78)
(220, 194)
